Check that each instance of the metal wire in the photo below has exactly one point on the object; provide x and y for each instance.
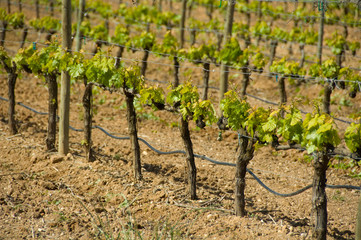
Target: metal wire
(207, 159)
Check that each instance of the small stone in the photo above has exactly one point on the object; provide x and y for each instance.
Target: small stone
(49, 185)
(56, 159)
(34, 159)
(69, 156)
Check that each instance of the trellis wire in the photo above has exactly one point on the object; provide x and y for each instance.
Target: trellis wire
(204, 158)
(260, 74)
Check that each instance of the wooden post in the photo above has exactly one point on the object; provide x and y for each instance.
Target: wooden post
(223, 85)
(176, 70)
(37, 10)
(182, 22)
(65, 81)
(52, 109)
(320, 34)
(358, 221)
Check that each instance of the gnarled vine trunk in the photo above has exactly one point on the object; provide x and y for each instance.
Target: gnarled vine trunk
(37, 9)
(98, 45)
(245, 82)
(12, 76)
(87, 104)
(52, 109)
(358, 221)
(23, 37)
(9, 6)
(327, 97)
(191, 166)
(119, 56)
(205, 80)
(176, 72)
(20, 5)
(132, 125)
(244, 155)
(3, 33)
(274, 44)
(302, 49)
(144, 62)
(319, 198)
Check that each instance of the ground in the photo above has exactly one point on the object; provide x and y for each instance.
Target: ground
(46, 196)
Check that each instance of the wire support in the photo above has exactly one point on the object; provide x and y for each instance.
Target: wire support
(207, 159)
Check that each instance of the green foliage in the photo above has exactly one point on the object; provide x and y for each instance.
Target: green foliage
(101, 69)
(99, 32)
(354, 45)
(104, 9)
(46, 23)
(291, 126)
(305, 36)
(287, 68)
(261, 29)
(353, 136)
(235, 110)
(168, 19)
(279, 34)
(22, 55)
(230, 53)
(16, 20)
(319, 132)
(190, 105)
(200, 54)
(258, 60)
(255, 121)
(85, 28)
(337, 43)
(169, 45)
(241, 30)
(47, 60)
(153, 96)
(328, 69)
(145, 41)
(121, 35)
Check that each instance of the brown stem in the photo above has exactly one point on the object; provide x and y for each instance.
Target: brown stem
(191, 166)
(37, 9)
(209, 11)
(51, 5)
(190, 7)
(3, 33)
(176, 72)
(9, 6)
(132, 125)
(98, 45)
(20, 5)
(274, 44)
(87, 105)
(327, 97)
(144, 62)
(302, 49)
(244, 155)
(193, 37)
(119, 56)
(219, 41)
(245, 82)
(12, 76)
(52, 109)
(23, 37)
(319, 198)
(282, 90)
(205, 80)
